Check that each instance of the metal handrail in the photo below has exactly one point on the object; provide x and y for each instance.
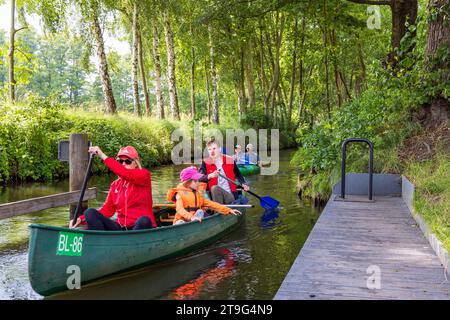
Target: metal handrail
(344, 155)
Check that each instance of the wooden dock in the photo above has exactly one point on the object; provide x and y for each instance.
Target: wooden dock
(352, 236)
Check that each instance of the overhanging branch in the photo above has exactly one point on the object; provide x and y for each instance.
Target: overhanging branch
(373, 2)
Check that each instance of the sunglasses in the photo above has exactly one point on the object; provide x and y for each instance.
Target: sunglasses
(127, 161)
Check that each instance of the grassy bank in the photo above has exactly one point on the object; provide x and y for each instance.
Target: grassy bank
(29, 136)
(432, 196)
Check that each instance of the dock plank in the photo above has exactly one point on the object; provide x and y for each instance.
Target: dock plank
(351, 236)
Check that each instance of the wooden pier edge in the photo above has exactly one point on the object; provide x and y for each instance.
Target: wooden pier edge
(408, 190)
(27, 206)
(351, 236)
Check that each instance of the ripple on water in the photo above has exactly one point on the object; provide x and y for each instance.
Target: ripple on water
(14, 283)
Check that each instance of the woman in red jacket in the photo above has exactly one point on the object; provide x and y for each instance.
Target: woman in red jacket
(130, 196)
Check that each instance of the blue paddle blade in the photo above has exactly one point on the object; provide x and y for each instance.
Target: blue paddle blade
(269, 203)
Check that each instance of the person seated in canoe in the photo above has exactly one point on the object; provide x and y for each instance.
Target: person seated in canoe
(222, 191)
(238, 156)
(190, 202)
(251, 157)
(130, 196)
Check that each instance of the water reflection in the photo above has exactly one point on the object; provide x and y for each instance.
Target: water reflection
(212, 277)
(269, 218)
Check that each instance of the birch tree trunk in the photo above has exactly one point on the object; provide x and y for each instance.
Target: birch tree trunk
(273, 90)
(294, 67)
(134, 63)
(215, 93)
(249, 74)
(193, 83)
(157, 65)
(110, 103)
(242, 98)
(208, 95)
(148, 110)
(11, 80)
(173, 97)
(192, 77)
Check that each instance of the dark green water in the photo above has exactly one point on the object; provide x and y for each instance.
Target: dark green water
(249, 263)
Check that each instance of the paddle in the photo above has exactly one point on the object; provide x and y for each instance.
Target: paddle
(266, 202)
(83, 188)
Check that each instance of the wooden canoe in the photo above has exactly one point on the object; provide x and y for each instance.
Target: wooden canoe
(249, 169)
(57, 254)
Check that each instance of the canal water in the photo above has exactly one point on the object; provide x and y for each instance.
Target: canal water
(249, 263)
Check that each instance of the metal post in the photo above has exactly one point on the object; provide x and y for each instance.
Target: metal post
(344, 156)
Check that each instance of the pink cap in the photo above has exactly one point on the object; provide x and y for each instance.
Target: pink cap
(129, 152)
(190, 173)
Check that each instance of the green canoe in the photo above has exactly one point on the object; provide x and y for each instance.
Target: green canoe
(56, 253)
(248, 169)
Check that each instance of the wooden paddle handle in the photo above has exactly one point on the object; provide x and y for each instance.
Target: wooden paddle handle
(83, 188)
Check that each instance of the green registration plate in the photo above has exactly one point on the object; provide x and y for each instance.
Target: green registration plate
(69, 244)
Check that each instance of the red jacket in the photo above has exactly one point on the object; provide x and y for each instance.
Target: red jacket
(228, 167)
(130, 195)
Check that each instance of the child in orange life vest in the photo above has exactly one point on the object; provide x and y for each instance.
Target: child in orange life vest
(190, 202)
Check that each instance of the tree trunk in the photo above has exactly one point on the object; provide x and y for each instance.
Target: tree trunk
(438, 29)
(403, 11)
(208, 96)
(11, 80)
(276, 63)
(134, 62)
(294, 67)
(110, 103)
(242, 98)
(249, 74)
(192, 78)
(438, 42)
(148, 110)
(173, 97)
(327, 73)
(215, 93)
(263, 77)
(360, 80)
(193, 83)
(157, 65)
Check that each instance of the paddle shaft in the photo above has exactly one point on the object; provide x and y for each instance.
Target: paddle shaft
(83, 188)
(239, 185)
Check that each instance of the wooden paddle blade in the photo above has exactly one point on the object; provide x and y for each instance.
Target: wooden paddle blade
(269, 203)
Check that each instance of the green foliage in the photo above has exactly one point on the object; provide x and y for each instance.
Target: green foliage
(29, 136)
(374, 116)
(432, 194)
(28, 141)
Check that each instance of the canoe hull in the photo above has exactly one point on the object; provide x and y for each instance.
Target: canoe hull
(108, 252)
(249, 169)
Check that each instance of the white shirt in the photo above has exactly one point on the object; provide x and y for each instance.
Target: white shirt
(221, 182)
